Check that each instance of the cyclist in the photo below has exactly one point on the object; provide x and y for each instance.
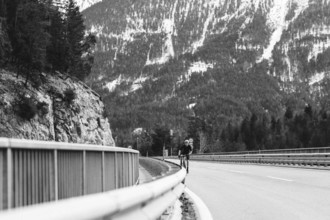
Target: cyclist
(184, 151)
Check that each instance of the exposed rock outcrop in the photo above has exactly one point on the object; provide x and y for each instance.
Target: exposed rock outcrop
(62, 109)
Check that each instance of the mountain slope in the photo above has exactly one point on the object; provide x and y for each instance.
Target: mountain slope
(218, 60)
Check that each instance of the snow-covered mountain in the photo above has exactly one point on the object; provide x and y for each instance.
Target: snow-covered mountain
(249, 54)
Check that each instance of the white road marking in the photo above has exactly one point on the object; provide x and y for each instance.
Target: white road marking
(233, 171)
(237, 171)
(277, 178)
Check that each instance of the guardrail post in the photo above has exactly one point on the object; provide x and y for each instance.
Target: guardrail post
(116, 171)
(9, 178)
(103, 171)
(131, 182)
(55, 175)
(84, 173)
(123, 172)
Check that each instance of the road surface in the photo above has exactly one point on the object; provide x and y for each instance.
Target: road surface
(233, 191)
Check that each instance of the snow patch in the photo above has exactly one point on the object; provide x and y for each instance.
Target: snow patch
(197, 67)
(192, 105)
(322, 33)
(137, 84)
(241, 7)
(111, 86)
(97, 30)
(318, 47)
(277, 21)
(138, 131)
(316, 78)
(100, 77)
(187, 9)
(167, 49)
(83, 4)
(168, 27)
(212, 5)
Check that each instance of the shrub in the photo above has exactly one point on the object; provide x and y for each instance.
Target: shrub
(105, 113)
(54, 92)
(79, 130)
(25, 107)
(69, 96)
(35, 80)
(43, 107)
(38, 80)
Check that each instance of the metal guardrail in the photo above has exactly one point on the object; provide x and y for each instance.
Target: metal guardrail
(276, 151)
(33, 172)
(146, 201)
(313, 159)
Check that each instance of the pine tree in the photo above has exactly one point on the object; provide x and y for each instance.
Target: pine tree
(5, 46)
(29, 37)
(308, 110)
(288, 113)
(75, 34)
(160, 138)
(79, 56)
(252, 141)
(88, 57)
(57, 49)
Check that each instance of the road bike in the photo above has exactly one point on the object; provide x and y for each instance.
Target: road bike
(184, 162)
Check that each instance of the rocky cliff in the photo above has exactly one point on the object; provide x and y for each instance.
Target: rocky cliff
(59, 109)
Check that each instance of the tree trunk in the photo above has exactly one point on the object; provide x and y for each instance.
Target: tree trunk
(27, 76)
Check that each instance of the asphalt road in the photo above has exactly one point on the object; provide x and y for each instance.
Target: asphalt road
(233, 191)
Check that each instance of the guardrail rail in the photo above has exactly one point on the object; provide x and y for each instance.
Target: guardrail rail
(319, 157)
(276, 151)
(312, 159)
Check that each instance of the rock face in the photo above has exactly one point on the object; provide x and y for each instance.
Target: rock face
(57, 117)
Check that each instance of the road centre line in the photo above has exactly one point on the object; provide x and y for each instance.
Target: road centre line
(277, 178)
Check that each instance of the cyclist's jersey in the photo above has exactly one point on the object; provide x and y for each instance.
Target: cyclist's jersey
(185, 149)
